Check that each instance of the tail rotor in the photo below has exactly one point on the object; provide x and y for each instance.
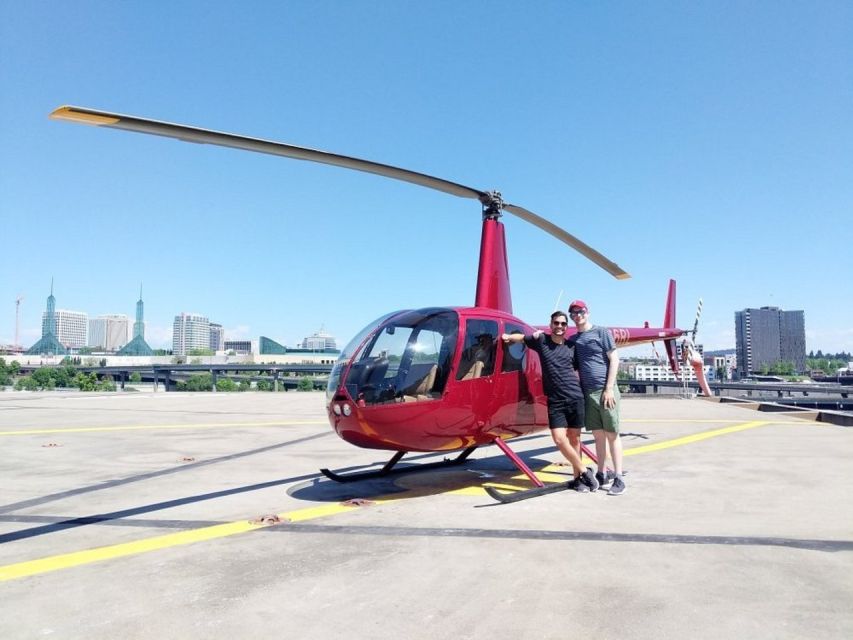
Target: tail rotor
(690, 353)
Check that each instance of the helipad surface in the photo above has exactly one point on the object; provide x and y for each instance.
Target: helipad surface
(143, 516)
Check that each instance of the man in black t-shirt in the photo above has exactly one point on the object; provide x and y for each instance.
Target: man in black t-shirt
(562, 388)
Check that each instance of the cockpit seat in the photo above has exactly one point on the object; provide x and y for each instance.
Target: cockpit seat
(421, 389)
(474, 371)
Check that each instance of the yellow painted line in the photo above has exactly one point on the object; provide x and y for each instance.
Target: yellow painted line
(678, 420)
(142, 427)
(544, 475)
(696, 437)
(77, 558)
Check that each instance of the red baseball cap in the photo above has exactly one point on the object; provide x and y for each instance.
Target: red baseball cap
(579, 304)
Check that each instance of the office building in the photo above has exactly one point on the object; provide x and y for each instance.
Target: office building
(71, 328)
(190, 332)
(320, 341)
(663, 372)
(217, 337)
(769, 336)
(109, 332)
(239, 347)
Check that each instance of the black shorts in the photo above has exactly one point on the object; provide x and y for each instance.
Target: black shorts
(564, 414)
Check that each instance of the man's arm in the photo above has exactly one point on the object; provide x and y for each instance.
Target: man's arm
(512, 338)
(607, 396)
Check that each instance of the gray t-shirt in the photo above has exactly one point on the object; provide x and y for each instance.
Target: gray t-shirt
(591, 349)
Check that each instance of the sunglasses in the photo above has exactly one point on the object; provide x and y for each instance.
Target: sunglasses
(560, 324)
(581, 312)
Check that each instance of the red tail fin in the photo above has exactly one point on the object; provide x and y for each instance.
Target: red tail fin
(669, 322)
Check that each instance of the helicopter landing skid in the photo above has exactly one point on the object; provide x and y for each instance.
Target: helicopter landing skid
(535, 492)
(388, 469)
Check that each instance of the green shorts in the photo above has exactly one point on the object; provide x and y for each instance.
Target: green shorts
(597, 416)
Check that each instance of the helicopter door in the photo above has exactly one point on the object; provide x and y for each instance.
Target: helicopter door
(473, 387)
(479, 351)
(516, 403)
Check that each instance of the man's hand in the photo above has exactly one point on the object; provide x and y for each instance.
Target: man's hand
(608, 400)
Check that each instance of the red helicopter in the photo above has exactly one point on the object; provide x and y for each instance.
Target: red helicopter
(434, 379)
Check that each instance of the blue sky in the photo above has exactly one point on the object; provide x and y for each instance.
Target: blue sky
(707, 142)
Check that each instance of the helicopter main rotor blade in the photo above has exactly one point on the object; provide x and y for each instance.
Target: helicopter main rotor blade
(205, 136)
(581, 247)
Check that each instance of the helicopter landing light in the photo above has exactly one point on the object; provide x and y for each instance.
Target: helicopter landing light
(337, 409)
(347, 410)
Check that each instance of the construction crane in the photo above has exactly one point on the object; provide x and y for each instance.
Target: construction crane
(18, 319)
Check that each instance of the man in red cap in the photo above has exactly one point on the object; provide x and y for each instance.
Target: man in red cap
(597, 363)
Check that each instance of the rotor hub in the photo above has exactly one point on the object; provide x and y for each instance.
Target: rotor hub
(493, 204)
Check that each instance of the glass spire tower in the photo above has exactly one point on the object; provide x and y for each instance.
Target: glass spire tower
(48, 344)
(137, 346)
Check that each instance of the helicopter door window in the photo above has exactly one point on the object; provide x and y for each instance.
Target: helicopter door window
(423, 366)
(478, 353)
(515, 353)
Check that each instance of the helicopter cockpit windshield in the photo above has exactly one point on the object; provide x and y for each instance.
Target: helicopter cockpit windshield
(406, 358)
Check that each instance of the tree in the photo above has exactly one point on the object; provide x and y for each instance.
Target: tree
(86, 381)
(200, 382)
(135, 377)
(305, 384)
(226, 384)
(26, 383)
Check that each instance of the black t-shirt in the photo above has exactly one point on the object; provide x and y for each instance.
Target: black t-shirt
(558, 372)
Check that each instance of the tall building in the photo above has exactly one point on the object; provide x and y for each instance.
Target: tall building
(768, 336)
(190, 331)
(72, 327)
(138, 346)
(108, 332)
(48, 344)
(320, 341)
(217, 337)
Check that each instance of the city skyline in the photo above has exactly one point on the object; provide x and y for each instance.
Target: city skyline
(52, 315)
(710, 145)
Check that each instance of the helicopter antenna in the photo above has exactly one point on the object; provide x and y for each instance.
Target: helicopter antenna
(559, 297)
(492, 202)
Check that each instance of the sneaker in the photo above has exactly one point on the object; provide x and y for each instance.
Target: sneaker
(617, 488)
(578, 485)
(588, 478)
(604, 479)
